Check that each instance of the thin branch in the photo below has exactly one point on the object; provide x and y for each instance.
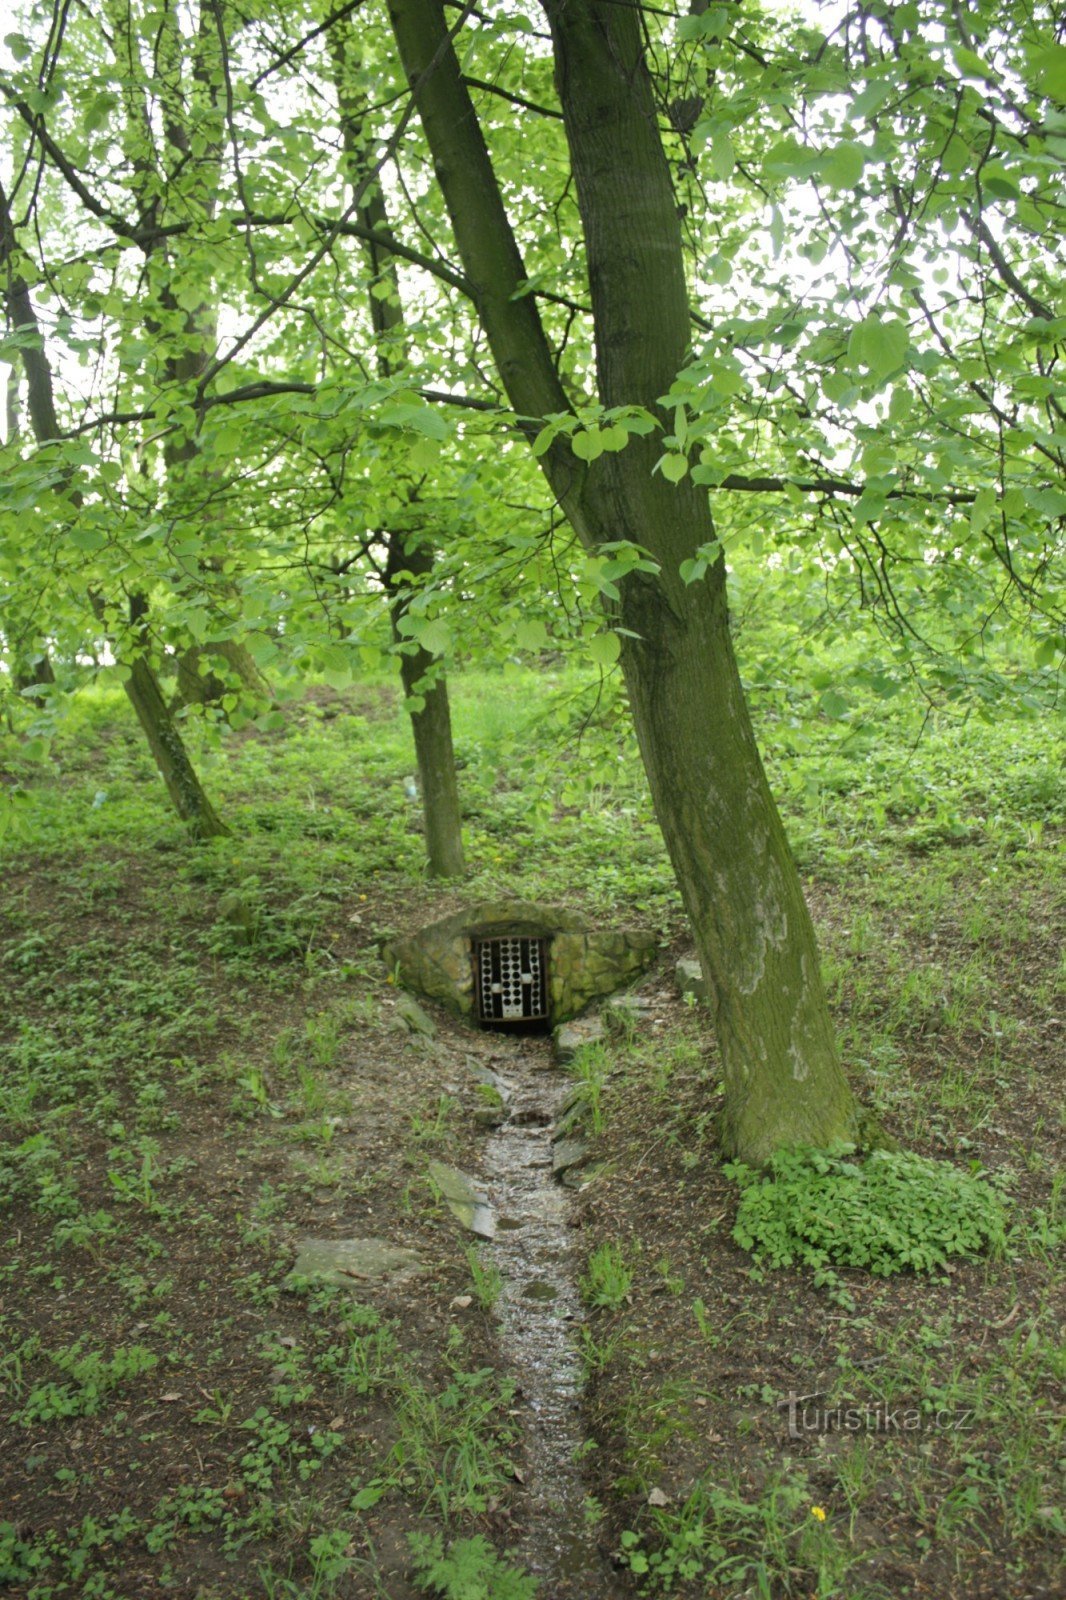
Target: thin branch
(515, 99)
(1006, 271)
(35, 122)
(836, 486)
(288, 55)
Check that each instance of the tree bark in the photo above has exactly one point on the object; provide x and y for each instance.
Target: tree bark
(431, 724)
(167, 746)
(783, 1081)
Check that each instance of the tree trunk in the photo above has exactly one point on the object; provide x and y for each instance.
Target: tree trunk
(432, 724)
(740, 887)
(34, 673)
(171, 756)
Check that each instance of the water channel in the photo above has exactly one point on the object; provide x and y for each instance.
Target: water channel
(539, 1313)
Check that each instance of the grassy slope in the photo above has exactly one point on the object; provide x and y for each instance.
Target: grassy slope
(188, 1081)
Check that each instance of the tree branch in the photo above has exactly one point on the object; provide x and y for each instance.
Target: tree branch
(515, 99)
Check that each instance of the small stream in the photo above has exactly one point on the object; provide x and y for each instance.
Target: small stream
(539, 1311)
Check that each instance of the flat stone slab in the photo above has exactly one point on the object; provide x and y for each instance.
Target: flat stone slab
(468, 1203)
(567, 1153)
(351, 1261)
(414, 1019)
(570, 1037)
(690, 980)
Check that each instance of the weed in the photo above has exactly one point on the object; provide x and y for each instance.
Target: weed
(608, 1279)
(590, 1066)
(92, 1378)
(470, 1569)
(449, 1446)
(487, 1279)
(368, 1359)
(719, 1538)
(887, 1213)
(432, 1128)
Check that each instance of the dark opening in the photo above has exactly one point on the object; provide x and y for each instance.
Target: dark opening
(512, 982)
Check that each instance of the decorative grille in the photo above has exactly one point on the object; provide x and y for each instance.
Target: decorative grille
(512, 980)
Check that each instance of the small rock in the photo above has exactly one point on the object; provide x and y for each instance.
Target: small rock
(414, 1018)
(690, 979)
(569, 1037)
(567, 1153)
(468, 1203)
(352, 1261)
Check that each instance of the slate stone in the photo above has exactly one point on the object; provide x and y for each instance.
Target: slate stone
(465, 1200)
(353, 1261)
(414, 1018)
(690, 979)
(567, 1153)
(569, 1037)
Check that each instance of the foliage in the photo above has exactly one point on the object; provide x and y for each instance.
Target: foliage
(884, 1213)
(871, 201)
(450, 1444)
(608, 1279)
(762, 1546)
(92, 1378)
(469, 1570)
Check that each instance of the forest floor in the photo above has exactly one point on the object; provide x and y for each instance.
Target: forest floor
(203, 1061)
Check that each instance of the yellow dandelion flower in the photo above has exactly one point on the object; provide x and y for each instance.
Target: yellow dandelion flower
(819, 1512)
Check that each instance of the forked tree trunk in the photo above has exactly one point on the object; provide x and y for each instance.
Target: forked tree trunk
(740, 887)
(431, 723)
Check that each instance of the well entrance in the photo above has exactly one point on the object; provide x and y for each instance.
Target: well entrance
(516, 964)
(511, 980)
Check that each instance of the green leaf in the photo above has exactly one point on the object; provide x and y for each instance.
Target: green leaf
(833, 704)
(879, 343)
(842, 167)
(587, 446)
(673, 467)
(971, 65)
(723, 156)
(605, 648)
(531, 634)
(1047, 67)
(434, 637)
(336, 666)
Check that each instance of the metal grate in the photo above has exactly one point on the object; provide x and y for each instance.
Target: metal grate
(512, 980)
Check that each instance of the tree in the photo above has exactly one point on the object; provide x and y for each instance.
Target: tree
(807, 273)
(738, 881)
(186, 792)
(409, 553)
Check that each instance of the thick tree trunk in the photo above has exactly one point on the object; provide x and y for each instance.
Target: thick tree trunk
(432, 724)
(739, 884)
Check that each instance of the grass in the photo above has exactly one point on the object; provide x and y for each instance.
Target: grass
(198, 1067)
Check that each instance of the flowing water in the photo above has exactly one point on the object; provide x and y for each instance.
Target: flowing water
(539, 1314)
